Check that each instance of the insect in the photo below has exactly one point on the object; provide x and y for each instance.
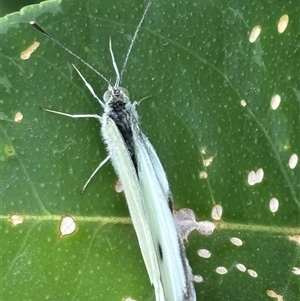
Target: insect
(144, 182)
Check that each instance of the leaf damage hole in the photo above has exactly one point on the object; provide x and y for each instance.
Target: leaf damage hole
(254, 34)
(295, 238)
(293, 161)
(221, 270)
(275, 101)
(236, 241)
(283, 23)
(273, 205)
(204, 253)
(119, 186)
(243, 103)
(67, 225)
(185, 222)
(203, 175)
(217, 212)
(198, 278)
(252, 273)
(25, 55)
(16, 219)
(272, 294)
(255, 177)
(241, 267)
(18, 117)
(296, 270)
(207, 162)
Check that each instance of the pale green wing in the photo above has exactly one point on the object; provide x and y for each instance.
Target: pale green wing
(124, 168)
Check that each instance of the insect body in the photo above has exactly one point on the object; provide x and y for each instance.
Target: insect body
(145, 185)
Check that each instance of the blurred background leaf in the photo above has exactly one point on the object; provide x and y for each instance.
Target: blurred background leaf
(211, 99)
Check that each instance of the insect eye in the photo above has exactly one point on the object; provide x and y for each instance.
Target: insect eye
(124, 91)
(108, 96)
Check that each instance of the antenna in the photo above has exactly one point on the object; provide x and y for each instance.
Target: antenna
(119, 76)
(118, 79)
(39, 28)
(135, 35)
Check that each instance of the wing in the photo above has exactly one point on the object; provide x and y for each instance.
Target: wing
(125, 169)
(176, 274)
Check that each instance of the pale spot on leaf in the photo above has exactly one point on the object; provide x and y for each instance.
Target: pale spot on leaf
(255, 177)
(221, 270)
(283, 23)
(198, 278)
(203, 150)
(18, 117)
(186, 223)
(294, 238)
(236, 241)
(296, 270)
(204, 253)
(16, 219)
(217, 212)
(272, 294)
(207, 162)
(67, 225)
(275, 101)
(252, 273)
(241, 267)
(293, 161)
(203, 175)
(25, 55)
(254, 34)
(243, 103)
(119, 187)
(274, 205)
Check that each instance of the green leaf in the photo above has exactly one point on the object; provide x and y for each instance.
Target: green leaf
(209, 118)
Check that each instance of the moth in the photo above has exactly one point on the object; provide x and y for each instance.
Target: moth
(144, 183)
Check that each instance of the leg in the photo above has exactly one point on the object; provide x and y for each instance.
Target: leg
(74, 115)
(95, 171)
